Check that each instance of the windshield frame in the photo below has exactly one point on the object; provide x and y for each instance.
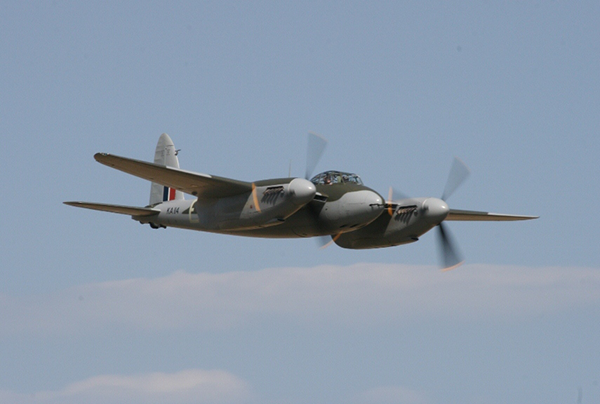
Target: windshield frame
(335, 178)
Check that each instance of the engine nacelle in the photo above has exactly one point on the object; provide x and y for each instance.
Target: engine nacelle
(267, 205)
(410, 219)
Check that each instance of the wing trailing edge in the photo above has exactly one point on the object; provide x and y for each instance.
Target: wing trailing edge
(121, 209)
(476, 216)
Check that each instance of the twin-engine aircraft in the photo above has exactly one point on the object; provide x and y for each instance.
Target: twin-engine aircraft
(331, 204)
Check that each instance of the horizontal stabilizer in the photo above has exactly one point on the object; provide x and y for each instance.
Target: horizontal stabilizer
(124, 210)
(200, 185)
(475, 216)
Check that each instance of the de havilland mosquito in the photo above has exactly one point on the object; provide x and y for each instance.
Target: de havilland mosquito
(332, 204)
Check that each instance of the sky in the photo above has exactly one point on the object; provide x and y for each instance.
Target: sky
(97, 308)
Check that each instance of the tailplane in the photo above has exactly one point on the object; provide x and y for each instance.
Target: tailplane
(165, 155)
(124, 210)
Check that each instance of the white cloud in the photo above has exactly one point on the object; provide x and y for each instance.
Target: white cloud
(355, 296)
(391, 395)
(188, 386)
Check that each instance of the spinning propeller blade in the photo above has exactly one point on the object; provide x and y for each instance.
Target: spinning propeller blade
(255, 198)
(315, 148)
(326, 241)
(458, 174)
(393, 195)
(451, 258)
(314, 151)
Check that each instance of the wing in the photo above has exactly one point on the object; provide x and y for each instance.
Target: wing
(200, 185)
(475, 216)
(124, 210)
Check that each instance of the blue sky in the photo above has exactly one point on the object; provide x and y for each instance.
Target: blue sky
(97, 308)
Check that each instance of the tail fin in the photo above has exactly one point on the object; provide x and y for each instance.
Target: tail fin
(165, 155)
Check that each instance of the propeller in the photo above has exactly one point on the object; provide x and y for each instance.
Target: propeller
(315, 147)
(449, 252)
(435, 212)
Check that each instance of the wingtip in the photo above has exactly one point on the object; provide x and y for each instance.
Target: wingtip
(527, 217)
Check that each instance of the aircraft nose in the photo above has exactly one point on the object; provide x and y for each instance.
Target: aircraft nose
(302, 191)
(435, 210)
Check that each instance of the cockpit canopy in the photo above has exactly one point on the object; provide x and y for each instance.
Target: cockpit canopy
(336, 177)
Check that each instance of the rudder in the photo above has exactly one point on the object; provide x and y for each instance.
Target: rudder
(165, 155)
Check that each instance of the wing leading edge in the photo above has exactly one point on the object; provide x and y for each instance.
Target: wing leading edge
(200, 185)
(124, 210)
(476, 216)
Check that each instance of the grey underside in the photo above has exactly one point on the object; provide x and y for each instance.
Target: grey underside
(124, 210)
(476, 216)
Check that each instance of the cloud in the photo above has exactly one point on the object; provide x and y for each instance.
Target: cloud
(356, 295)
(188, 386)
(391, 395)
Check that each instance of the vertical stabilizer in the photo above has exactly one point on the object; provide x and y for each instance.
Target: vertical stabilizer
(165, 155)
